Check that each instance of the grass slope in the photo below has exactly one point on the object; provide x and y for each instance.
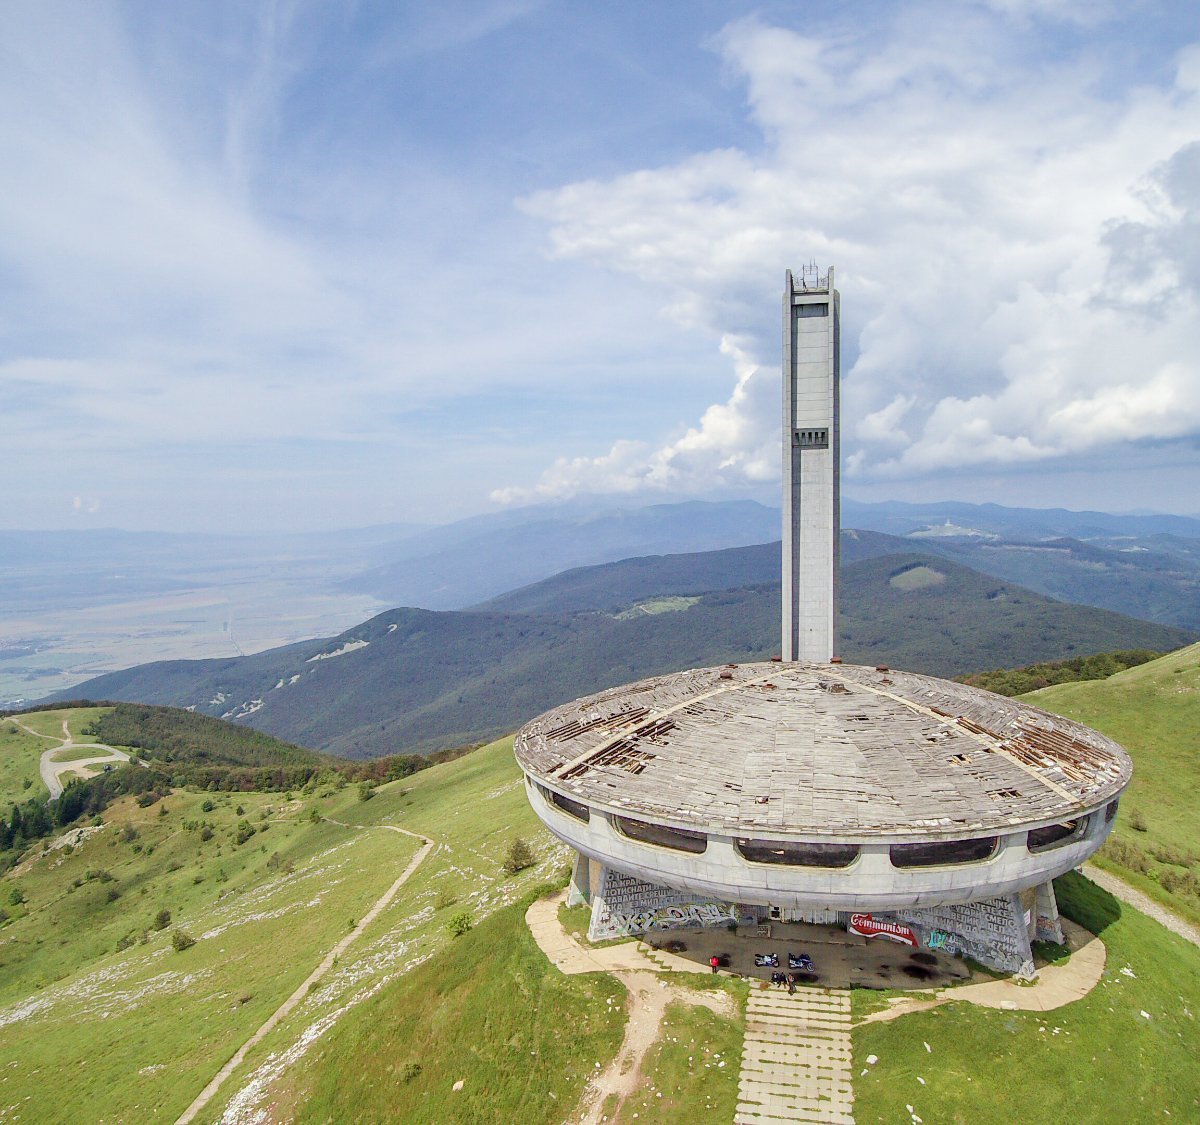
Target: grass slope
(491, 1011)
(90, 987)
(19, 754)
(417, 680)
(470, 808)
(1154, 711)
(1098, 1060)
(691, 1073)
(144, 1027)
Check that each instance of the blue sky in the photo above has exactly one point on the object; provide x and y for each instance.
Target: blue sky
(300, 266)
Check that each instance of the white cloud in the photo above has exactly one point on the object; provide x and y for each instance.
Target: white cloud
(1017, 244)
(734, 438)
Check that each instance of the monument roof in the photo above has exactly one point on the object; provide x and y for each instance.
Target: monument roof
(821, 751)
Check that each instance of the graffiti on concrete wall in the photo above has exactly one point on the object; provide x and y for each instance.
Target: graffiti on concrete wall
(626, 905)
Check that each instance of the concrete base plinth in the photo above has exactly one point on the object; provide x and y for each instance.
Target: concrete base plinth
(996, 932)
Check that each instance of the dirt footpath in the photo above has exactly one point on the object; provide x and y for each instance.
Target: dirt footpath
(646, 1004)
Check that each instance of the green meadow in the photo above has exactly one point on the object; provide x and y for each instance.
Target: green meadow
(1126, 1052)
(1153, 710)
(19, 755)
(93, 982)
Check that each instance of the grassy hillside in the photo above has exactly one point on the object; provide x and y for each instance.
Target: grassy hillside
(19, 753)
(1125, 1052)
(90, 986)
(417, 680)
(1154, 711)
(167, 748)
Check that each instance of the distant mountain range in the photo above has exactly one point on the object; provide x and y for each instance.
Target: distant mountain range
(898, 517)
(502, 554)
(76, 604)
(412, 679)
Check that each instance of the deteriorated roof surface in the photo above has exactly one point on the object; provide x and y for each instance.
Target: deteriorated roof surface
(829, 751)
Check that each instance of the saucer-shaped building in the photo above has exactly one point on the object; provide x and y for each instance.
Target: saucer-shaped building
(805, 789)
(824, 793)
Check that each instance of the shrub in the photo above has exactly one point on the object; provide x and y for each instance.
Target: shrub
(206, 833)
(207, 806)
(1136, 821)
(1166, 854)
(519, 856)
(181, 941)
(1128, 855)
(444, 900)
(244, 831)
(129, 834)
(162, 919)
(460, 923)
(1179, 882)
(365, 792)
(16, 896)
(409, 1071)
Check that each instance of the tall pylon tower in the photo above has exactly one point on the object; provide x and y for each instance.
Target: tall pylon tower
(811, 458)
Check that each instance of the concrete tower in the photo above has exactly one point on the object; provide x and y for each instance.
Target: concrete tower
(811, 480)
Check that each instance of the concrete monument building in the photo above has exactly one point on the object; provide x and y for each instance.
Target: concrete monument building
(807, 790)
(811, 455)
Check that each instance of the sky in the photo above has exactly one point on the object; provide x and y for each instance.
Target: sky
(301, 266)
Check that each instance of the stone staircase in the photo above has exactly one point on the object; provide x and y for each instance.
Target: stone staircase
(796, 1058)
(664, 962)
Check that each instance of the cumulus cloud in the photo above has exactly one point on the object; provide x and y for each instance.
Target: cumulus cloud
(733, 437)
(1016, 236)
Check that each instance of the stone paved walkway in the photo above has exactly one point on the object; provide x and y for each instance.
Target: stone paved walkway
(796, 1058)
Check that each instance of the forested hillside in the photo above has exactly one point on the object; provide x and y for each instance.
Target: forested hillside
(168, 734)
(413, 680)
(1033, 677)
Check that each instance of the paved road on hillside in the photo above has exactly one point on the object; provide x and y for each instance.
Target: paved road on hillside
(53, 771)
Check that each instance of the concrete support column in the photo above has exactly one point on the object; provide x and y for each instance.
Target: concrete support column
(1048, 925)
(580, 892)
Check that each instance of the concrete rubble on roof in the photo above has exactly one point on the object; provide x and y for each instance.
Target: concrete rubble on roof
(836, 749)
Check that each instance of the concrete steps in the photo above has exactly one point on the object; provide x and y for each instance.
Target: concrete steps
(796, 1058)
